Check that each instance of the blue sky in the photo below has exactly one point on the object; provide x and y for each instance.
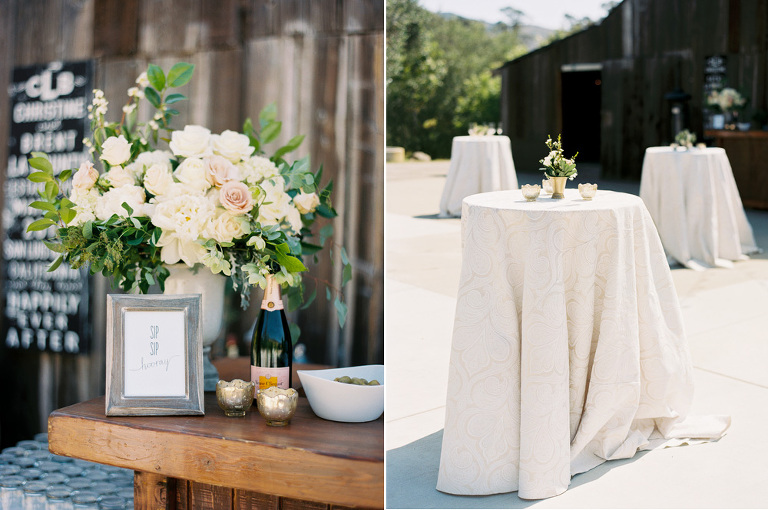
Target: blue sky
(543, 13)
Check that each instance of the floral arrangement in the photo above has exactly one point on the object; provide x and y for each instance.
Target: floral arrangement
(685, 138)
(726, 100)
(214, 200)
(557, 165)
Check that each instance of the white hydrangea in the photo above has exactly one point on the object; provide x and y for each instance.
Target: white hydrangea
(256, 169)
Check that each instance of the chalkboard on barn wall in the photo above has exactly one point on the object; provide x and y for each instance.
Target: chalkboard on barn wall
(43, 311)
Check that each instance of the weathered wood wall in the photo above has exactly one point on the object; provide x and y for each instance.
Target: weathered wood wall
(646, 48)
(320, 60)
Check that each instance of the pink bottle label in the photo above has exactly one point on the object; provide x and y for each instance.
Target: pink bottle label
(267, 377)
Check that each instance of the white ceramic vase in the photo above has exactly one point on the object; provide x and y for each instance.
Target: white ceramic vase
(200, 280)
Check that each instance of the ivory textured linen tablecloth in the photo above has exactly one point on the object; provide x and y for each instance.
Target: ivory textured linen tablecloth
(478, 164)
(568, 344)
(695, 204)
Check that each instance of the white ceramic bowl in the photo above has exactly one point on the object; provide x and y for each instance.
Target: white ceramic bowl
(337, 401)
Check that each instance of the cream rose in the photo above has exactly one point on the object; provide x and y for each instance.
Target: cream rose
(293, 217)
(225, 228)
(118, 177)
(306, 202)
(175, 248)
(219, 170)
(158, 179)
(192, 142)
(232, 145)
(186, 215)
(191, 173)
(85, 177)
(111, 202)
(116, 150)
(236, 197)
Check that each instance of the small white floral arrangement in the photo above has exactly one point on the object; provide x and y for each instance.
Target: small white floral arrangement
(556, 164)
(726, 100)
(685, 138)
(213, 199)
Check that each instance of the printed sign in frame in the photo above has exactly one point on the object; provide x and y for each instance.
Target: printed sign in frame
(154, 355)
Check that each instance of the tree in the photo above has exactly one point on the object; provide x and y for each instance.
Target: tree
(439, 74)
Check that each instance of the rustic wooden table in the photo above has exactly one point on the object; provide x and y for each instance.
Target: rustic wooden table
(217, 462)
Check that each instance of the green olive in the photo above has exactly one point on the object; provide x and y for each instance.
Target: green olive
(344, 379)
(374, 383)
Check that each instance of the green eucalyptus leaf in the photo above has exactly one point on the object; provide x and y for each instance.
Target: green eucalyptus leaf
(341, 311)
(88, 230)
(40, 224)
(309, 300)
(268, 114)
(41, 163)
(54, 247)
(153, 97)
(346, 274)
(271, 131)
(292, 145)
(44, 206)
(67, 215)
(156, 77)
(56, 263)
(39, 177)
(295, 332)
(180, 74)
(325, 233)
(174, 98)
(65, 174)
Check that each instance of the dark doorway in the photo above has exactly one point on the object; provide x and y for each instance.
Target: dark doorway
(581, 114)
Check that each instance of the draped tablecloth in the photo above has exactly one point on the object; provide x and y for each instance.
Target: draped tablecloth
(568, 344)
(478, 164)
(695, 204)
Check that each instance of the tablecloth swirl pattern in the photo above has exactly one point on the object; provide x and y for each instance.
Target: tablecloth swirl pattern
(568, 344)
(478, 164)
(695, 204)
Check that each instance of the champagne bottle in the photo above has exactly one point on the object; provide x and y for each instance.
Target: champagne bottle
(271, 347)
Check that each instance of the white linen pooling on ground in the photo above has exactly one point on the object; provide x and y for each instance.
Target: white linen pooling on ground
(568, 345)
(695, 204)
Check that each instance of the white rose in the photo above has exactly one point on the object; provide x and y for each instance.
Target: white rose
(257, 168)
(306, 202)
(191, 173)
(111, 202)
(219, 170)
(192, 142)
(116, 150)
(186, 215)
(225, 228)
(276, 204)
(175, 248)
(232, 145)
(119, 176)
(147, 159)
(158, 179)
(293, 217)
(85, 177)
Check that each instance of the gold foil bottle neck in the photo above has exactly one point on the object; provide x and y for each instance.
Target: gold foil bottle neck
(272, 299)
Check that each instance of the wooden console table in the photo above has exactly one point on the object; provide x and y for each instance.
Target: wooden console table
(748, 154)
(217, 462)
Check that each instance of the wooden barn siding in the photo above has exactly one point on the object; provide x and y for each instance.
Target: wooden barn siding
(647, 48)
(320, 60)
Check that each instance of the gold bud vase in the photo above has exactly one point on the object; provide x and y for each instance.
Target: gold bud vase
(558, 186)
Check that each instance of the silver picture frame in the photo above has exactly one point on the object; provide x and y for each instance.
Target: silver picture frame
(155, 385)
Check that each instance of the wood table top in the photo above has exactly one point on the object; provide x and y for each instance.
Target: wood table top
(311, 459)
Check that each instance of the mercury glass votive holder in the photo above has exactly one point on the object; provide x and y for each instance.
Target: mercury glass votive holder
(587, 190)
(530, 191)
(546, 185)
(277, 405)
(235, 397)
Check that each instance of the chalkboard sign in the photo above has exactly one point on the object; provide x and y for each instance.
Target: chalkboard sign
(714, 73)
(49, 113)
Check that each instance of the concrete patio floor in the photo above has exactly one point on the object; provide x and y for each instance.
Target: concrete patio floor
(726, 318)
